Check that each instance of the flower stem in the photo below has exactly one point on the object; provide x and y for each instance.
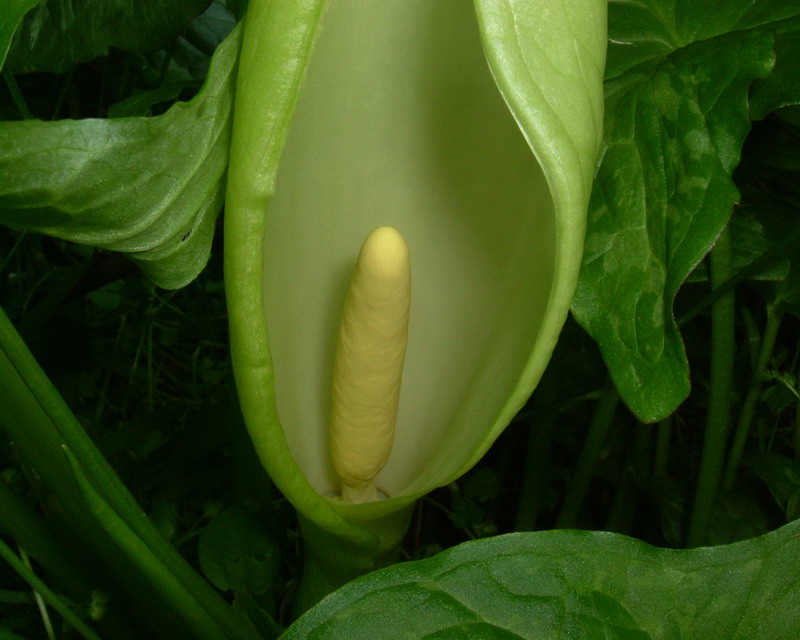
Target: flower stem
(797, 432)
(719, 399)
(16, 95)
(538, 452)
(662, 447)
(748, 411)
(634, 470)
(598, 432)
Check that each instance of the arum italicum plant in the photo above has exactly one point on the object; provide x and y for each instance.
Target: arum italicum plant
(384, 114)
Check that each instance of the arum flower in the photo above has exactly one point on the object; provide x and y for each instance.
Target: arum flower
(484, 169)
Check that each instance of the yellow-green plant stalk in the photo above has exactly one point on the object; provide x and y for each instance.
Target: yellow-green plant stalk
(473, 129)
(369, 363)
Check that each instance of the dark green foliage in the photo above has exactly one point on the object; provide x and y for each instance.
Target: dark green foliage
(569, 584)
(125, 150)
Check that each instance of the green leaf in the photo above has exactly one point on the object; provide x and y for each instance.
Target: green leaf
(12, 15)
(262, 621)
(149, 187)
(140, 103)
(751, 243)
(236, 553)
(779, 217)
(166, 584)
(21, 522)
(7, 634)
(92, 496)
(739, 516)
(573, 584)
(677, 86)
(782, 476)
(782, 88)
(58, 34)
(650, 30)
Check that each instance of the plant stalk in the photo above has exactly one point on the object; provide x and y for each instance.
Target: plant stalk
(598, 433)
(40, 423)
(538, 452)
(662, 447)
(719, 400)
(634, 471)
(748, 410)
(47, 595)
(797, 432)
(16, 95)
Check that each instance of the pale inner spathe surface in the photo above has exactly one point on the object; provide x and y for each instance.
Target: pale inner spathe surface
(400, 123)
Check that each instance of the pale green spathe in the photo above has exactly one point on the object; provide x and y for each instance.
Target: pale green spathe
(399, 123)
(486, 170)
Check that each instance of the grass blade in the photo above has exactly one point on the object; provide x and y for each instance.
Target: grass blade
(47, 595)
(167, 585)
(41, 424)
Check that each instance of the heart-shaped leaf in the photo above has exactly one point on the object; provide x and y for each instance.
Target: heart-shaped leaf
(677, 85)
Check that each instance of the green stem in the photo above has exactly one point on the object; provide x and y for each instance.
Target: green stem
(163, 582)
(662, 447)
(7, 634)
(20, 522)
(797, 432)
(41, 588)
(721, 382)
(538, 453)
(16, 95)
(61, 560)
(40, 423)
(634, 470)
(37, 597)
(763, 261)
(598, 432)
(748, 410)
(330, 562)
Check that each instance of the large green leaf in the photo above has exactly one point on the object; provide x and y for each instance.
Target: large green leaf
(148, 187)
(652, 29)
(58, 34)
(678, 78)
(577, 585)
(12, 14)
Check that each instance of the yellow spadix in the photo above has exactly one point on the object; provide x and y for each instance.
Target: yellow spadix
(369, 363)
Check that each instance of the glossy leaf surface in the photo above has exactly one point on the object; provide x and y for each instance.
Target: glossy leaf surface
(148, 187)
(573, 584)
(678, 112)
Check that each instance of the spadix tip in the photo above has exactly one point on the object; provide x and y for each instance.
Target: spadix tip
(385, 250)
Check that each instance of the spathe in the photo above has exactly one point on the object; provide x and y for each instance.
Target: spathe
(401, 123)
